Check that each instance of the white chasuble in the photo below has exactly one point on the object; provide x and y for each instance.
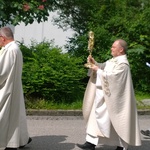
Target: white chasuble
(113, 114)
(13, 125)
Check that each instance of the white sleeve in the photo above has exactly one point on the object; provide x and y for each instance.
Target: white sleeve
(98, 79)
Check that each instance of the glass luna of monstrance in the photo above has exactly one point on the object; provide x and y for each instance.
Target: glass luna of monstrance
(90, 47)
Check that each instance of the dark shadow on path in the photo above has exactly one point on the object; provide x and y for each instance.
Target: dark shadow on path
(145, 146)
(52, 142)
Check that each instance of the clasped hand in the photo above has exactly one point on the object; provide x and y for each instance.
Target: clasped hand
(91, 60)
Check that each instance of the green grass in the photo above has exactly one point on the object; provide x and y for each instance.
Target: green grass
(50, 105)
(141, 96)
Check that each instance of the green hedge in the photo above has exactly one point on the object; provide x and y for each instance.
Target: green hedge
(50, 74)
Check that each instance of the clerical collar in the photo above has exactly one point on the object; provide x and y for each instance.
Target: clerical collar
(120, 57)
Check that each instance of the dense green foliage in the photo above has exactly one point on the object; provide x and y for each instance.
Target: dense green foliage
(50, 74)
(15, 11)
(110, 20)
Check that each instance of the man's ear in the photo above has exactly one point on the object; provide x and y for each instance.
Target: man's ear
(122, 50)
(3, 38)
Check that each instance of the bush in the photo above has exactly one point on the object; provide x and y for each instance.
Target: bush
(50, 74)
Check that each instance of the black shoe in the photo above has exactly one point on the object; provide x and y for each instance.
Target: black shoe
(87, 146)
(146, 132)
(119, 148)
(7, 148)
(27, 143)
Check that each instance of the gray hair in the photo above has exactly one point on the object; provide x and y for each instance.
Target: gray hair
(123, 44)
(6, 32)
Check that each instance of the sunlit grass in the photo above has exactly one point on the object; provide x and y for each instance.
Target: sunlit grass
(77, 105)
(50, 105)
(140, 97)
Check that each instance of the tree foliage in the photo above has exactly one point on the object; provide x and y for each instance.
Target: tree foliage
(110, 20)
(50, 74)
(15, 11)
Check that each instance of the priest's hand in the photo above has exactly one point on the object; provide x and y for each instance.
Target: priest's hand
(94, 67)
(90, 59)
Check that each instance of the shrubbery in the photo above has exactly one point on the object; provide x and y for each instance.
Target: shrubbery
(59, 77)
(50, 74)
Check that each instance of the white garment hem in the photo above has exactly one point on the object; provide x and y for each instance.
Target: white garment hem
(92, 139)
(95, 140)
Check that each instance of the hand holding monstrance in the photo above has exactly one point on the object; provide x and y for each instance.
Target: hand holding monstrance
(90, 48)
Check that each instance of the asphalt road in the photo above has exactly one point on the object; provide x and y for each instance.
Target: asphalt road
(63, 132)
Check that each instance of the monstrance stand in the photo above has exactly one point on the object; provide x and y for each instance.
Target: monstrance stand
(90, 47)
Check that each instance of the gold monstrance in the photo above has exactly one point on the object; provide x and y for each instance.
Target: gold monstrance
(90, 47)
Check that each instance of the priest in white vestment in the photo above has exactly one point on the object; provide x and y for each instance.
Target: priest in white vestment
(109, 105)
(13, 125)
